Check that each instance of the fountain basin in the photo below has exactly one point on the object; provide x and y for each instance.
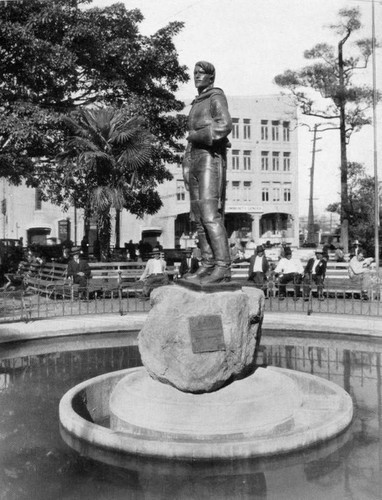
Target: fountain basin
(273, 411)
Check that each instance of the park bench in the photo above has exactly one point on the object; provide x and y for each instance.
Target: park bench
(110, 277)
(46, 278)
(336, 284)
(106, 279)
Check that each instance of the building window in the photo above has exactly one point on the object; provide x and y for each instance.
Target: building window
(235, 128)
(265, 193)
(247, 128)
(276, 192)
(235, 191)
(275, 130)
(275, 161)
(37, 199)
(286, 132)
(264, 130)
(287, 194)
(247, 191)
(180, 191)
(247, 160)
(235, 159)
(265, 160)
(286, 162)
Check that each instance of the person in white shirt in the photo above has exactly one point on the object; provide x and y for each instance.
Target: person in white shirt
(288, 270)
(360, 272)
(154, 274)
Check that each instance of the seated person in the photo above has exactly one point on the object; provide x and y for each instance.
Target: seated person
(339, 254)
(79, 271)
(315, 271)
(154, 274)
(360, 272)
(188, 264)
(288, 270)
(258, 268)
(235, 253)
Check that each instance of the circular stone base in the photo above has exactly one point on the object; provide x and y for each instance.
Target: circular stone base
(273, 411)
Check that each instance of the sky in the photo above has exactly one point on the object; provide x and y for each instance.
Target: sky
(250, 42)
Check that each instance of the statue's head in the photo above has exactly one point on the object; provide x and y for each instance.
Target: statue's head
(204, 75)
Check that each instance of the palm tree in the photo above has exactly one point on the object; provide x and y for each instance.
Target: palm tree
(105, 153)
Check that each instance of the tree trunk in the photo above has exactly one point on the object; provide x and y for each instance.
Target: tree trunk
(117, 228)
(104, 225)
(344, 163)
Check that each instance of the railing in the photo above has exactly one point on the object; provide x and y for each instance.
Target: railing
(24, 306)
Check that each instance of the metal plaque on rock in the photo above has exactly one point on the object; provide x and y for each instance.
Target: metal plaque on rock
(206, 334)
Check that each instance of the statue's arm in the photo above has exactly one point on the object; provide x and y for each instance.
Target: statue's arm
(221, 124)
(186, 166)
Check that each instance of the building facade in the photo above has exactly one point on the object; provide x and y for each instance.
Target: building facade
(261, 189)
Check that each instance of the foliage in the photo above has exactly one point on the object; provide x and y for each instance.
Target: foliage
(325, 89)
(107, 163)
(58, 55)
(324, 78)
(361, 202)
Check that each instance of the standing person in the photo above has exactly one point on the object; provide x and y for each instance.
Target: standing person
(360, 272)
(258, 268)
(288, 270)
(131, 248)
(154, 274)
(204, 166)
(65, 257)
(85, 247)
(79, 271)
(315, 270)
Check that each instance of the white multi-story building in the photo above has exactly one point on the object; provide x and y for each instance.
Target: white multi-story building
(261, 193)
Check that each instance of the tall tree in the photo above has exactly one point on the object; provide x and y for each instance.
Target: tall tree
(361, 206)
(57, 55)
(325, 89)
(107, 163)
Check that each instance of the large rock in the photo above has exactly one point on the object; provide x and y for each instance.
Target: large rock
(175, 349)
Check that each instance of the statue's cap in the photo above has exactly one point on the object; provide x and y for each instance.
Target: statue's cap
(207, 67)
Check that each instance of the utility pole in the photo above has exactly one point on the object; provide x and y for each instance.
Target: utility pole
(310, 237)
(376, 184)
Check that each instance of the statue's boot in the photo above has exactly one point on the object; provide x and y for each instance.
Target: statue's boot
(217, 237)
(207, 257)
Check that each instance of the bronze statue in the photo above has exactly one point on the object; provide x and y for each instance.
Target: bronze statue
(204, 166)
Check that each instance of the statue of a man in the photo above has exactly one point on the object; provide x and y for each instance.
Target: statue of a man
(204, 165)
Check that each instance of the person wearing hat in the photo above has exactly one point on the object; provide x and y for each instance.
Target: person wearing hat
(154, 274)
(188, 264)
(315, 271)
(79, 271)
(289, 270)
(258, 268)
